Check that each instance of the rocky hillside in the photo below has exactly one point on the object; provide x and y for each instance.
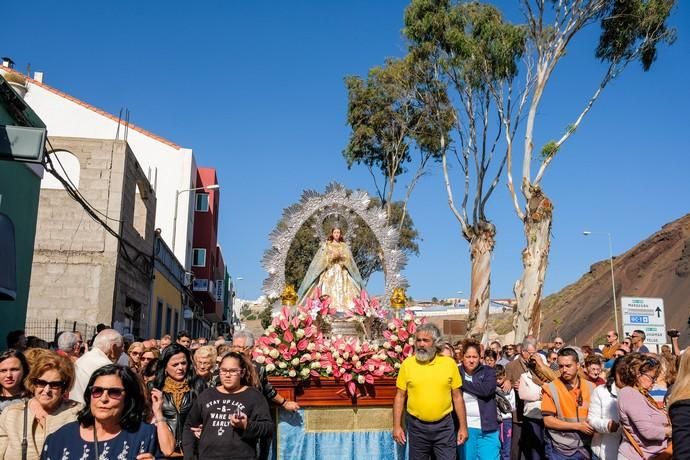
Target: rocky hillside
(657, 267)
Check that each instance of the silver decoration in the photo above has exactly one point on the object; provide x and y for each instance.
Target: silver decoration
(335, 201)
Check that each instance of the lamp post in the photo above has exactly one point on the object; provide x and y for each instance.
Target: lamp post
(177, 200)
(613, 279)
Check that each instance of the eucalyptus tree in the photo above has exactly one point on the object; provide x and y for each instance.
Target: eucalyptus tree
(475, 53)
(391, 127)
(629, 31)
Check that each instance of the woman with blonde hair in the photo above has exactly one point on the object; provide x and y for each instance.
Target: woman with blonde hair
(679, 408)
(50, 378)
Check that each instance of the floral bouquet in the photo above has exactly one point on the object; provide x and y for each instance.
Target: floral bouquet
(369, 313)
(399, 338)
(288, 343)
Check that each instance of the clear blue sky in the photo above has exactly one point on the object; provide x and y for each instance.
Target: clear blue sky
(256, 89)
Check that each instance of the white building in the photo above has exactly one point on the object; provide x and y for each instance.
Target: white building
(170, 168)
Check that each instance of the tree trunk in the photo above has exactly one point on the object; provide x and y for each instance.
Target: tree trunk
(534, 261)
(481, 248)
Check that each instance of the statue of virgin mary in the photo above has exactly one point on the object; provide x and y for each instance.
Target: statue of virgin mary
(334, 272)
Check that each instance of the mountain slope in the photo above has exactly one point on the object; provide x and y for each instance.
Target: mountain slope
(657, 267)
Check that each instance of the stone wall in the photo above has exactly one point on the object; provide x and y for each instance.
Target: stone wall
(80, 272)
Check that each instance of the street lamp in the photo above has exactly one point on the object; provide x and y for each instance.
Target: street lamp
(613, 279)
(177, 199)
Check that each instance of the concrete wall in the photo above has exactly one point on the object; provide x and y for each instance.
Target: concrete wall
(78, 272)
(19, 195)
(167, 166)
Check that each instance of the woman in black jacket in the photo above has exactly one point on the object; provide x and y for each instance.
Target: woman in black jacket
(479, 394)
(679, 409)
(180, 387)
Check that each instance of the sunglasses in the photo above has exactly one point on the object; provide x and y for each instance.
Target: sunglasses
(113, 393)
(54, 385)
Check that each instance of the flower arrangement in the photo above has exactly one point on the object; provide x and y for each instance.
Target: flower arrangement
(369, 313)
(293, 346)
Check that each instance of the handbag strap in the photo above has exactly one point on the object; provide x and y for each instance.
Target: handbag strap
(25, 442)
(632, 441)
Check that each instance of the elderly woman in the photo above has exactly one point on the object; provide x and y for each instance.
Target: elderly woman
(134, 352)
(13, 371)
(646, 428)
(232, 435)
(603, 415)
(49, 379)
(179, 386)
(205, 362)
(110, 426)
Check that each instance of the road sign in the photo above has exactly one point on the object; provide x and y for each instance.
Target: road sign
(645, 314)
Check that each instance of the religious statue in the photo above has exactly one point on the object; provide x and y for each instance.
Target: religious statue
(334, 272)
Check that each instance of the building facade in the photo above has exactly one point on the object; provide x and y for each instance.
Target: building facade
(80, 271)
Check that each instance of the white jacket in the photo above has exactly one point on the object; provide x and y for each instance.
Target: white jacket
(530, 393)
(603, 408)
(83, 368)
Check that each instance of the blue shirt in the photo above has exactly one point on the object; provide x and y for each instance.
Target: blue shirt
(67, 443)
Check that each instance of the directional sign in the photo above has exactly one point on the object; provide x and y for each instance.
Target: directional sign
(645, 314)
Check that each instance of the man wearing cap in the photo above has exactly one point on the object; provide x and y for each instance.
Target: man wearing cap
(431, 384)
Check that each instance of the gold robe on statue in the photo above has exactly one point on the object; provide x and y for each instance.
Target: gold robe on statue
(333, 270)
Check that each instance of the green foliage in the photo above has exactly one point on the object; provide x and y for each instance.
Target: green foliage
(365, 247)
(632, 29)
(471, 41)
(388, 116)
(266, 316)
(549, 149)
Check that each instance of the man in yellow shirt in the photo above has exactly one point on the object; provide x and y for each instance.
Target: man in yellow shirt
(431, 383)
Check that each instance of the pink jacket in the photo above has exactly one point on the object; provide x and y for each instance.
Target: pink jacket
(645, 423)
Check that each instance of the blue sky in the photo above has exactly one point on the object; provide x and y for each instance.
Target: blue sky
(256, 89)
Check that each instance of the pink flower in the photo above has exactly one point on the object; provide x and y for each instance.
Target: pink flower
(302, 344)
(287, 336)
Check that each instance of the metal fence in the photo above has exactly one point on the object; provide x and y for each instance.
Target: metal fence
(47, 329)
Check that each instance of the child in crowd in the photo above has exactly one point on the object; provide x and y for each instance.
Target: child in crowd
(507, 422)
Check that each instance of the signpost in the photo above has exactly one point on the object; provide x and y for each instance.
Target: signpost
(645, 314)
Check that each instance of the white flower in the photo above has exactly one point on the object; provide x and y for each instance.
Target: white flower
(391, 326)
(329, 369)
(358, 364)
(304, 372)
(371, 368)
(317, 355)
(342, 370)
(282, 365)
(398, 348)
(299, 333)
(274, 353)
(410, 340)
(270, 329)
(302, 317)
(341, 347)
(293, 344)
(292, 373)
(382, 368)
(311, 346)
(346, 355)
(386, 345)
(270, 367)
(277, 340)
(394, 338)
(355, 357)
(339, 361)
(361, 379)
(295, 361)
(358, 349)
(396, 365)
(315, 365)
(407, 317)
(336, 355)
(260, 359)
(307, 357)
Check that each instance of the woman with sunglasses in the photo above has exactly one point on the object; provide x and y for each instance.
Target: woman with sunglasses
(48, 381)
(13, 371)
(179, 386)
(646, 428)
(233, 416)
(111, 425)
(134, 352)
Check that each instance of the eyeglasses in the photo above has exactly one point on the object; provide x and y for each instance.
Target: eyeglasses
(113, 393)
(145, 358)
(53, 385)
(650, 377)
(558, 343)
(135, 353)
(233, 371)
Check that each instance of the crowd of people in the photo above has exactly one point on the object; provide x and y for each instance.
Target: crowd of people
(543, 401)
(116, 398)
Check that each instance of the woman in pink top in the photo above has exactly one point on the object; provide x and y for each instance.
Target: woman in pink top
(640, 417)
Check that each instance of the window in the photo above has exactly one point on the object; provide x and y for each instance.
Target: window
(202, 202)
(168, 318)
(159, 319)
(198, 257)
